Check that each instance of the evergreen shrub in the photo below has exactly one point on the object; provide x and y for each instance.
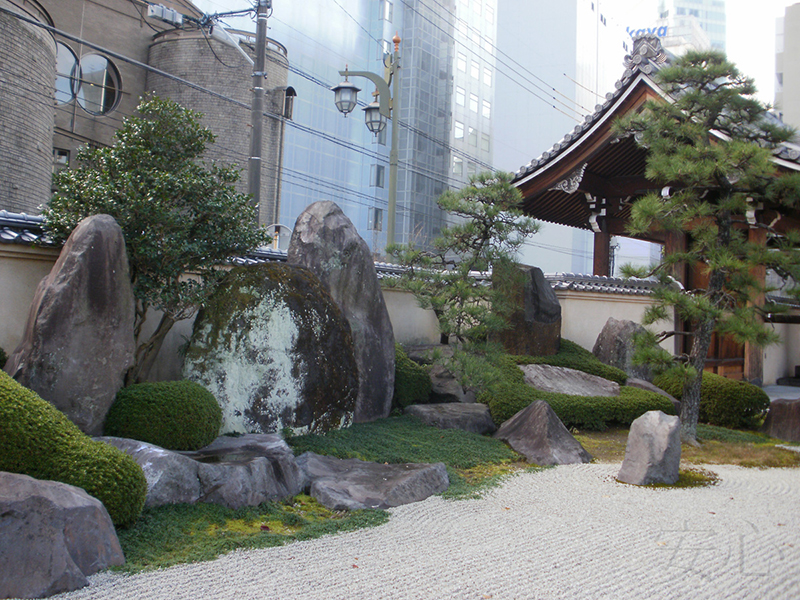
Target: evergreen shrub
(3, 358)
(176, 415)
(412, 382)
(511, 394)
(38, 440)
(573, 356)
(723, 402)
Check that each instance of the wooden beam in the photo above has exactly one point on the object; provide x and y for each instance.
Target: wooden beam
(601, 257)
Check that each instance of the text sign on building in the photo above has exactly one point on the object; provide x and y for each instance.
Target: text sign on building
(658, 31)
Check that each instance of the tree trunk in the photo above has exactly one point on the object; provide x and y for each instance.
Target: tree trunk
(147, 352)
(690, 401)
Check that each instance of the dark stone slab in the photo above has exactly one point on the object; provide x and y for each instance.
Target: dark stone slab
(354, 484)
(538, 434)
(615, 347)
(469, 417)
(52, 537)
(653, 451)
(783, 420)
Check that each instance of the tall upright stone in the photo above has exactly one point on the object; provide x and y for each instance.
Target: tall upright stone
(78, 341)
(615, 346)
(535, 326)
(325, 241)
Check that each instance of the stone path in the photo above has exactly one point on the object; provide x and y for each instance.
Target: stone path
(571, 532)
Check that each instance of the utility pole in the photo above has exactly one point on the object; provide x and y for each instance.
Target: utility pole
(257, 110)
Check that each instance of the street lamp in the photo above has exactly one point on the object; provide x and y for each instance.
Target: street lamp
(377, 113)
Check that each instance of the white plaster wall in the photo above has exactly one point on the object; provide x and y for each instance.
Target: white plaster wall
(781, 359)
(411, 324)
(21, 270)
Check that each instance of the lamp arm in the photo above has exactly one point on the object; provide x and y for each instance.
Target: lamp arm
(380, 83)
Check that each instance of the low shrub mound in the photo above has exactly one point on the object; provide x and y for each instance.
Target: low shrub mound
(573, 356)
(511, 394)
(412, 383)
(36, 439)
(723, 402)
(176, 415)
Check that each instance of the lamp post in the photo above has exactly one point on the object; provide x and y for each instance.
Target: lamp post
(377, 113)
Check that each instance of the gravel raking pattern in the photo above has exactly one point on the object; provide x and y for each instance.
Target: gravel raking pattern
(571, 532)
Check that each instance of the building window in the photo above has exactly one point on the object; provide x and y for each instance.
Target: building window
(458, 166)
(473, 102)
(387, 10)
(458, 130)
(487, 76)
(461, 96)
(488, 13)
(376, 176)
(471, 169)
(461, 62)
(380, 138)
(487, 109)
(487, 45)
(485, 142)
(476, 6)
(66, 73)
(100, 89)
(375, 217)
(475, 70)
(60, 159)
(462, 27)
(472, 138)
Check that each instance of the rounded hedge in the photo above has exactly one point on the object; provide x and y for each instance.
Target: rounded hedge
(38, 440)
(176, 415)
(412, 382)
(512, 394)
(723, 402)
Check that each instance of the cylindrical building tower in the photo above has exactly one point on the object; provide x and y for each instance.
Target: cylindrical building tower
(222, 68)
(27, 93)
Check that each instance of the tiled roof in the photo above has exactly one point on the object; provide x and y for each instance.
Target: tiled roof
(598, 283)
(19, 228)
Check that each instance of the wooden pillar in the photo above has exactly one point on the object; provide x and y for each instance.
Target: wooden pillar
(602, 254)
(754, 355)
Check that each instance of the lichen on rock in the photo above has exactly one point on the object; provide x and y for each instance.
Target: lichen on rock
(276, 352)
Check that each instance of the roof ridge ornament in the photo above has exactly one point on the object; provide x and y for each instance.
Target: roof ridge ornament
(648, 55)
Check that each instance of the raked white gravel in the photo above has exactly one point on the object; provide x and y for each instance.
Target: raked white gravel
(571, 532)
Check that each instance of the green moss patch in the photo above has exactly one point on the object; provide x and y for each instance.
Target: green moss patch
(412, 382)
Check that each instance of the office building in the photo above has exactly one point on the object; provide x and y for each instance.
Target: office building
(709, 15)
(787, 69)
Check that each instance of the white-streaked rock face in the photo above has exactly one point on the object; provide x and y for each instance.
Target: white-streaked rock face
(276, 352)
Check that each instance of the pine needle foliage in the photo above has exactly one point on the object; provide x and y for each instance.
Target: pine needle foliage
(178, 215)
(712, 143)
(452, 278)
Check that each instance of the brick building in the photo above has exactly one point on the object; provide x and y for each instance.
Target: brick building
(72, 70)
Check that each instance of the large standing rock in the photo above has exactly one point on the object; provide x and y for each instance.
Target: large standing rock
(653, 451)
(536, 327)
(562, 380)
(78, 341)
(325, 241)
(276, 351)
(233, 471)
(538, 434)
(783, 420)
(352, 484)
(454, 415)
(52, 536)
(615, 347)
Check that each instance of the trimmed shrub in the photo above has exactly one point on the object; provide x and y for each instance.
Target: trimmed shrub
(412, 382)
(512, 394)
(573, 356)
(176, 415)
(723, 402)
(36, 439)
(3, 358)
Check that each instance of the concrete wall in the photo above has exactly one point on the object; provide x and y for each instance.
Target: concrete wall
(583, 316)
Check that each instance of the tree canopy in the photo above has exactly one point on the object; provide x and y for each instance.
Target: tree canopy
(181, 219)
(712, 142)
(453, 277)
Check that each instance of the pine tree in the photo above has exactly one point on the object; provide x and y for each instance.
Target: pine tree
(712, 143)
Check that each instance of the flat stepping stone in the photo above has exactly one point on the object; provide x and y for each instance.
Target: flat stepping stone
(353, 484)
(562, 380)
(454, 415)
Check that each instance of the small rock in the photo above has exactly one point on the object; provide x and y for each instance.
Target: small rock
(352, 484)
(444, 385)
(469, 417)
(52, 537)
(783, 420)
(653, 451)
(538, 434)
(568, 381)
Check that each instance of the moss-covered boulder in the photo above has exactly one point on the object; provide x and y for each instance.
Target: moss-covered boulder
(275, 351)
(176, 415)
(412, 382)
(36, 439)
